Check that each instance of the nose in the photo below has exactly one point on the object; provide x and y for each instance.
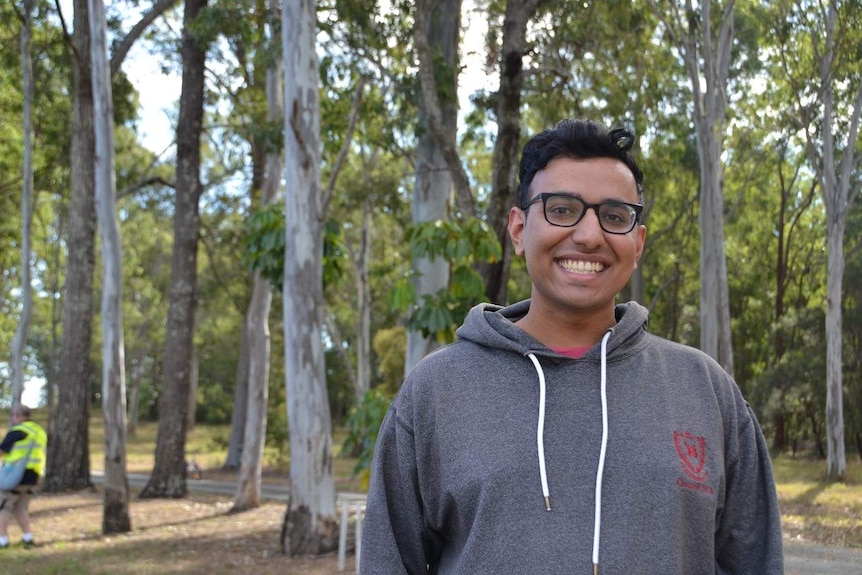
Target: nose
(588, 232)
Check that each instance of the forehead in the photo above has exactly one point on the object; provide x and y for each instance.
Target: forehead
(594, 179)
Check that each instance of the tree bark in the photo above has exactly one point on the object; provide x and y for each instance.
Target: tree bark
(115, 515)
(240, 404)
(68, 465)
(507, 145)
(310, 525)
(257, 319)
(438, 24)
(705, 45)
(19, 342)
(168, 476)
(437, 52)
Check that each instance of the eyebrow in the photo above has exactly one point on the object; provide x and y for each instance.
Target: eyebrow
(580, 196)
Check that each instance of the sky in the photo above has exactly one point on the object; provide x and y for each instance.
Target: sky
(159, 92)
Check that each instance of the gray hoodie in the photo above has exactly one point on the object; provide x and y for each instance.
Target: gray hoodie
(502, 456)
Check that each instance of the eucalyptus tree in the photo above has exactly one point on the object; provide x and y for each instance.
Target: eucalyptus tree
(68, 465)
(507, 143)
(310, 525)
(818, 53)
(168, 476)
(20, 340)
(704, 41)
(436, 39)
(257, 317)
(115, 515)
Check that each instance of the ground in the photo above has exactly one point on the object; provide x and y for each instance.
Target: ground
(189, 536)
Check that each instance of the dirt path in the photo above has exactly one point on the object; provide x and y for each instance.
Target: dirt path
(809, 559)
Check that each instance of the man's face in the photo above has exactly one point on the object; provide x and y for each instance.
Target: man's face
(577, 269)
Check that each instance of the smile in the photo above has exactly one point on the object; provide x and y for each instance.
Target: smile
(581, 267)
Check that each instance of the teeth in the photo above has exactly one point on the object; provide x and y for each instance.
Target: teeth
(581, 267)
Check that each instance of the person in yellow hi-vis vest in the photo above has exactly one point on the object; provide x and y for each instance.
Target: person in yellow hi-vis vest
(26, 438)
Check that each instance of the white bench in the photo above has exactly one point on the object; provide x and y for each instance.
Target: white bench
(350, 502)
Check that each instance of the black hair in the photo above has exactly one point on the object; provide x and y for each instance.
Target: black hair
(577, 139)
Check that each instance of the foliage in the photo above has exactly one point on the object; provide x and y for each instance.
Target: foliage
(463, 243)
(362, 426)
(265, 245)
(390, 346)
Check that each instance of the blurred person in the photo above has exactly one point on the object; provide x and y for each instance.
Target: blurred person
(25, 438)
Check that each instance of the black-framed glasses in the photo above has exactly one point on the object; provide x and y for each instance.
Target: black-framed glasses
(566, 210)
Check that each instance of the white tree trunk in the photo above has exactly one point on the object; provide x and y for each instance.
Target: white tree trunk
(257, 321)
(433, 187)
(116, 496)
(19, 342)
(310, 525)
(248, 484)
(836, 463)
(840, 190)
(363, 295)
(233, 459)
(705, 45)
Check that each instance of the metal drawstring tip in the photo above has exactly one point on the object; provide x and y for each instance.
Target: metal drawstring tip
(595, 569)
(547, 503)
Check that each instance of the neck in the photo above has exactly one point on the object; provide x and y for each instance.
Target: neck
(558, 330)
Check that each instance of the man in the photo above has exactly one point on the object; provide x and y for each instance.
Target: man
(557, 435)
(25, 437)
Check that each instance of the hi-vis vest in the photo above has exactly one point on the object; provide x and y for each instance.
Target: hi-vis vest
(35, 435)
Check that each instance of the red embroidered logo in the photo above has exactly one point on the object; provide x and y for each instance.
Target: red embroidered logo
(692, 455)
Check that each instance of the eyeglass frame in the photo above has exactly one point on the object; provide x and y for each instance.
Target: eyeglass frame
(637, 208)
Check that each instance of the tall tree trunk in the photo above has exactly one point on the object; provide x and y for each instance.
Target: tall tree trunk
(68, 465)
(437, 31)
(836, 461)
(257, 322)
(310, 525)
(507, 145)
(168, 476)
(240, 404)
(115, 515)
(363, 296)
(840, 189)
(19, 342)
(248, 484)
(704, 44)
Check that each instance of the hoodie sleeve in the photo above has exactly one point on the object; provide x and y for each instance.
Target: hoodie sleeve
(394, 538)
(748, 531)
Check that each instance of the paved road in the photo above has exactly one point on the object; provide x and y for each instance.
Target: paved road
(799, 558)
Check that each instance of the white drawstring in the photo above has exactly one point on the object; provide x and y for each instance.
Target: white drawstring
(540, 445)
(540, 432)
(601, 470)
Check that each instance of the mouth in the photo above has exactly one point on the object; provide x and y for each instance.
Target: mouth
(581, 267)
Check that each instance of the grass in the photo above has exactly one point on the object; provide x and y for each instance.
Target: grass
(198, 535)
(815, 510)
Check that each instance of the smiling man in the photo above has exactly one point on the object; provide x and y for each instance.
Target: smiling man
(557, 435)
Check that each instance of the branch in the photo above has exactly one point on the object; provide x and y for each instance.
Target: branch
(129, 190)
(122, 49)
(345, 147)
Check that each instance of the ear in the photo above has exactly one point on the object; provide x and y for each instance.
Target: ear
(517, 223)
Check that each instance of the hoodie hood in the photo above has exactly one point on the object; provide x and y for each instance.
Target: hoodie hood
(494, 326)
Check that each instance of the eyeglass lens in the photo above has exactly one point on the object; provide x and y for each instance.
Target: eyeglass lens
(565, 210)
